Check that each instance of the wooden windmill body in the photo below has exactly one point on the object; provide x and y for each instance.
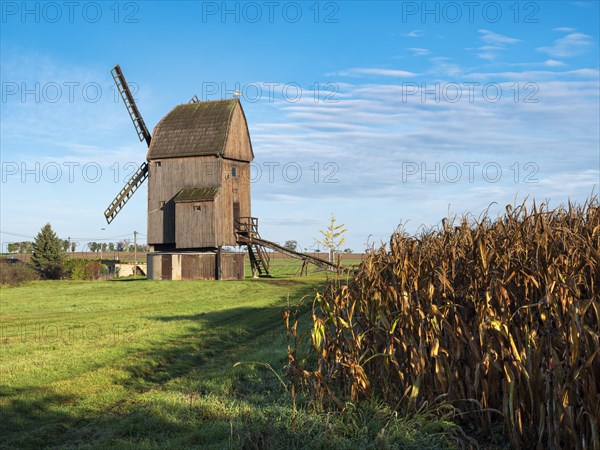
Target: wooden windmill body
(199, 176)
(198, 171)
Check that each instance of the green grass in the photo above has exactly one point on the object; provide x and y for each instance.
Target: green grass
(150, 364)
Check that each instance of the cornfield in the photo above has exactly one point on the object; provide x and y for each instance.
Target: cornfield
(500, 318)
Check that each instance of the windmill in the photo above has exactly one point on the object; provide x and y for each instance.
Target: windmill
(198, 171)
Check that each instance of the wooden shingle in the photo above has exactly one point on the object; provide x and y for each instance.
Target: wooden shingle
(196, 194)
(193, 129)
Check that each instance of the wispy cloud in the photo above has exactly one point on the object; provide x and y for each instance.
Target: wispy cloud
(554, 63)
(546, 63)
(490, 37)
(444, 67)
(539, 75)
(362, 71)
(564, 29)
(584, 4)
(415, 33)
(494, 43)
(378, 121)
(420, 51)
(570, 45)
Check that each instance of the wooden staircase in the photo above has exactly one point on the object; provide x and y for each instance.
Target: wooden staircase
(247, 233)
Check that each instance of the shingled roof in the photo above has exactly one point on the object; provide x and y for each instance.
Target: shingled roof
(196, 194)
(193, 129)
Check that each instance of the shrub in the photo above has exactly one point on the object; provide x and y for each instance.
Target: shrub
(85, 269)
(14, 273)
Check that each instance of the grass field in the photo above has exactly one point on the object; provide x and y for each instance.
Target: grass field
(150, 364)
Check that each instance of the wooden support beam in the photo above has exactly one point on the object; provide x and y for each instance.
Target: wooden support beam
(218, 264)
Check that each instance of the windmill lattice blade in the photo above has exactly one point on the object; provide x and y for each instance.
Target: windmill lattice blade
(122, 197)
(128, 100)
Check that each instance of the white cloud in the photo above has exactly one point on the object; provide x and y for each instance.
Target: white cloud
(444, 67)
(377, 121)
(554, 63)
(570, 45)
(488, 55)
(360, 71)
(415, 33)
(490, 37)
(534, 75)
(420, 51)
(495, 43)
(564, 29)
(584, 4)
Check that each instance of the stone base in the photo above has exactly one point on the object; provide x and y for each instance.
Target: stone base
(195, 266)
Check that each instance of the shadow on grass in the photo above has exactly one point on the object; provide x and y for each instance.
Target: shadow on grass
(179, 317)
(223, 337)
(30, 417)
(37, 418)
(211, 343)
(275, 282)
(123, 280)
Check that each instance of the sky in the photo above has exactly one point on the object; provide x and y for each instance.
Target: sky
(381, 113)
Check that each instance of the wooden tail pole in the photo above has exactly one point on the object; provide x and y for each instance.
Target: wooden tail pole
(247, 234)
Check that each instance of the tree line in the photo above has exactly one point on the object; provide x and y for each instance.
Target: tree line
(94, 247)
(49, 253)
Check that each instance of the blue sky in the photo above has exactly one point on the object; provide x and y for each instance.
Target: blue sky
(379, 112)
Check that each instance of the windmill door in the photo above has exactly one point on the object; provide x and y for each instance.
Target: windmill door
(195, 224)
(236, 212)
(167, 267)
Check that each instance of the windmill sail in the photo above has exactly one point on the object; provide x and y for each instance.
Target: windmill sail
(136, 117)
(122, 197)
(141, 174)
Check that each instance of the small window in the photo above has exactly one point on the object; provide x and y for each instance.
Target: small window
(157, 163)
(234, 171)
(197, 207)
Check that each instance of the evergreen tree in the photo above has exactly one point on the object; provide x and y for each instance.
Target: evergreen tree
(48, 256)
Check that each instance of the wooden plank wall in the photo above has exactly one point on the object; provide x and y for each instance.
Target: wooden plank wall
(232, 266)
(198, 267)
(165, 181)
(238, 145)
(195, 228)
(232, 189)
